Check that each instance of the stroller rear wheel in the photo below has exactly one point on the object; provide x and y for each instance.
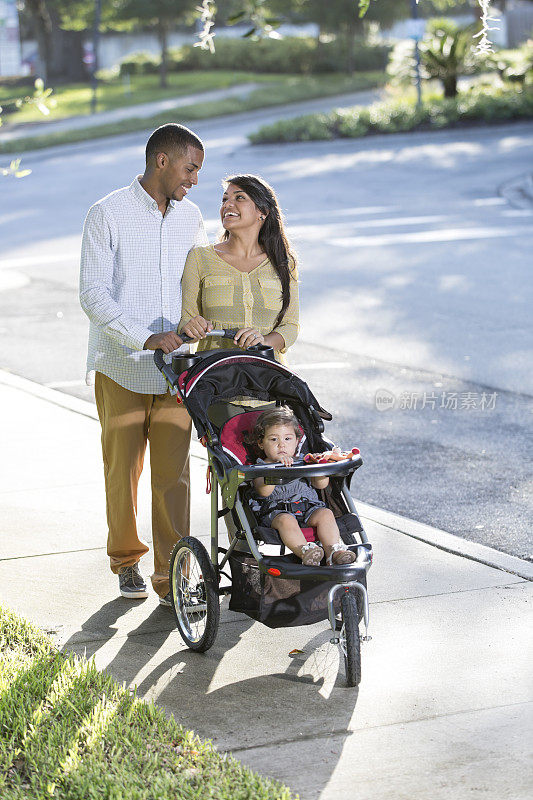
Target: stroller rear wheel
(349, 639)
(194, 592)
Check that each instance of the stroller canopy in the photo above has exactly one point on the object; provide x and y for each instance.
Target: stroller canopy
(229, 374)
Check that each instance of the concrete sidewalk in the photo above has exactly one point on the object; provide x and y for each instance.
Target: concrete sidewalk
(443, 709)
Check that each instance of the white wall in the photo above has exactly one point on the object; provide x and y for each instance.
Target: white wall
(10, 53)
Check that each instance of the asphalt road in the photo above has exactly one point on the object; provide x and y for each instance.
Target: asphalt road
(415, 299)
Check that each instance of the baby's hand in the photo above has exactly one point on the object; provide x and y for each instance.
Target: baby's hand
(286, 460)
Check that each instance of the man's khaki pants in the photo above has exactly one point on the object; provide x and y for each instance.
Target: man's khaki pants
(128, 421)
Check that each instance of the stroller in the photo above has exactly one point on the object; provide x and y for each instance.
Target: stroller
(275, 589)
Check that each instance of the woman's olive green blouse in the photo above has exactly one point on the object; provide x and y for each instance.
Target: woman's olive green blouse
(229, 298)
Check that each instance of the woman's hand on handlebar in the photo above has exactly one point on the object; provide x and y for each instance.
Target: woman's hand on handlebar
(246, 337)
(197, 327)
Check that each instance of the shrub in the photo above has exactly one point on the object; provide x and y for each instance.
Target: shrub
(300, 55)
(141, 63)
(332, 57)
(514, 65)
(353, 122)
(394, 117)
(311, 127)
(481, 104)
(500, 104)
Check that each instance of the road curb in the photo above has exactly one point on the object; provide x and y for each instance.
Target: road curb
(67, 401)
(448, 542)
(443, 540)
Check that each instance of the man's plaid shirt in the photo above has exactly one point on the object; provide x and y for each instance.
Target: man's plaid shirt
(132, 261)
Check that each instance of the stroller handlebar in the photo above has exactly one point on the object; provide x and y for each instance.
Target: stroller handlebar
(167, 370)
(223, 334)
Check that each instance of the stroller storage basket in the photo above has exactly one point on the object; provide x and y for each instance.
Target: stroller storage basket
(277, 602)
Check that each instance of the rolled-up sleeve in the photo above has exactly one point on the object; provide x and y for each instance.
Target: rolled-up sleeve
(289, 326)
(96, 278)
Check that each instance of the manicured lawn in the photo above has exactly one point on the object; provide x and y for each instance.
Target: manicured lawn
(72, 733)
(75, 99)
(278, 90)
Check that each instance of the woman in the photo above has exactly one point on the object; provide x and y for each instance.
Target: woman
(248, 280)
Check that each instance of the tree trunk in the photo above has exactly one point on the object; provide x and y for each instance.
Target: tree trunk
(163, 41)
(450, 86)
(42, 26)
(350, 47)
(352, 26)
(60, 51)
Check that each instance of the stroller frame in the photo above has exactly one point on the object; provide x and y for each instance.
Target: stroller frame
(197, 600)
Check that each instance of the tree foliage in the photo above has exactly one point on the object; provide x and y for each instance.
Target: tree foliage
(446, 53)
(162, 15)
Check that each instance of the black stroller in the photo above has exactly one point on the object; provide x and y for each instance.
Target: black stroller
(275, 589)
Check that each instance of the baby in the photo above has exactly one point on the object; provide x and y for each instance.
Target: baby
(286, 507)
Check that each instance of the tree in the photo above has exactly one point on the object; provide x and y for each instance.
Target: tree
(343, 19)
(60, 49)
(446, 53)
(160, 14)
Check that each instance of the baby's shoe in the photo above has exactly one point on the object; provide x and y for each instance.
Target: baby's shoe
(311, 554)
(340, 555)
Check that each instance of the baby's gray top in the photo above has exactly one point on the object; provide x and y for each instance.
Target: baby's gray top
(293, 490)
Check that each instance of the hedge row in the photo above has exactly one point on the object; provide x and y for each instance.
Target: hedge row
(289, 55)
(477, 105)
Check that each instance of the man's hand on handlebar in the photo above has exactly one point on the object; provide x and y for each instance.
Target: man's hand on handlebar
(197, 327)
(167, 342)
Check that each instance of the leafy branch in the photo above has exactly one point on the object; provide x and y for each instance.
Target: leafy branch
(42, 99)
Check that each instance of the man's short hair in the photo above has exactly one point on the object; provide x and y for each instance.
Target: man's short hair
(171, 137)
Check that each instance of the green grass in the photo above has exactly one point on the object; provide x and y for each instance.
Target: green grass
(278, 90)
(72, 733)
(478, 105)
(75, 99)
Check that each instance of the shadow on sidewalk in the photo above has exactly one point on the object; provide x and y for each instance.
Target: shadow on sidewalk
(100, 627)
(261, 718)
(307, 707)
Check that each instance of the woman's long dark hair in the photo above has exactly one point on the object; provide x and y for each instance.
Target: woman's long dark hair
(272, 236)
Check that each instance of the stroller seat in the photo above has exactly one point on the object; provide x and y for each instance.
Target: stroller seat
(235, 439)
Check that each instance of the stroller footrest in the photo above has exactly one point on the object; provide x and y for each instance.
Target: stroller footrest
(290, 567)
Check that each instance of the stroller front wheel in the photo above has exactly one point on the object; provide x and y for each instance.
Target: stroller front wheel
(349, 639)
(194, 592)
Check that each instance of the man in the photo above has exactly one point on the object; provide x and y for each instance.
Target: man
(135, 242)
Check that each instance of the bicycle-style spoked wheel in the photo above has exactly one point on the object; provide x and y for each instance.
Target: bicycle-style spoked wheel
(349, 641)
(194, 592)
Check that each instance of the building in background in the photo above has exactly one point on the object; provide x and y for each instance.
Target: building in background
(10, 51)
